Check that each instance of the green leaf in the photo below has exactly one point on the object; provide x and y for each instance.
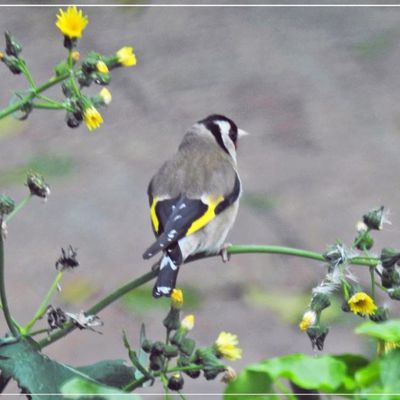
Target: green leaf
(247, 384)
(369, 375)
(78, 388)
(36, 373)
(389, 331)
(390, 372)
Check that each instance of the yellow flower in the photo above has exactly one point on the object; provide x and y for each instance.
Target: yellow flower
(386, 347)
(188, 322)
(226, 346)
(177, 298)
(92, 118)
(71, 22)
(361, 303)
(308, 320)
(105, 94)
(102, 67)
(126, 57)
(75, 55)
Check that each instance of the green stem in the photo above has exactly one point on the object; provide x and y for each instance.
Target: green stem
(18, 208)
(25, 70)
(103, 303)
(39, 331)
(234, 249)
(13, 320)
(50, 106)
(3, 297)
(18, 104)
(43, 306)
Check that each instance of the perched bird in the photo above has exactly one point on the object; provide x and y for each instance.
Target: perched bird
(194, 197)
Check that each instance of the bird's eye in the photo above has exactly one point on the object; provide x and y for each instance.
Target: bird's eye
(233, 135)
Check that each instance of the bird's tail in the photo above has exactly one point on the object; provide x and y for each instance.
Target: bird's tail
(167, 276)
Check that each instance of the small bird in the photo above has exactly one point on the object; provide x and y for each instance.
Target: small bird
(194, 197)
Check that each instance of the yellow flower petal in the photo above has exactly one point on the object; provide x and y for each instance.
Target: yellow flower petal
(361, 303)
(188, 322)
(226, 345)
(308, 320)
(102, 67)
(92, 118)
(105, 94)
(126, 57)
(177, 298)
(71, 22)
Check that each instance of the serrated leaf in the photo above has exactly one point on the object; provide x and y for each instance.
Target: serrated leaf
(248, 384)
(78, 388)
(321, 373)
(37, 373)
(389, 331)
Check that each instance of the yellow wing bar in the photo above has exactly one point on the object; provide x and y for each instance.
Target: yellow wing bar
(153, 215)
(206, 217)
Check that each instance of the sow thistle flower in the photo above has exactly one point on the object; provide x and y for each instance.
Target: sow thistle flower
(92, 118)
(126, 57)
(226, 346)
(106, 96)
(71, 22)
(361, 303)
(309, 319)
(101, 66)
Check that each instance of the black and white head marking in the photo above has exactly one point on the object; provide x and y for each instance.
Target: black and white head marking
(225, 132)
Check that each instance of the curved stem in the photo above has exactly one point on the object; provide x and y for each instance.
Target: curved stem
(103, 303)
(18, 208)
(234, 249)
(43, 305)
(3, 297)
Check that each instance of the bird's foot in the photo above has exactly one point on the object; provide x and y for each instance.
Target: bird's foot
(224, 252)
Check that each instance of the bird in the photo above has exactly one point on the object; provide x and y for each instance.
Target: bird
(194, 198)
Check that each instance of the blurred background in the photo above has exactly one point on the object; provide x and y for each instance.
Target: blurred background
(317, 88)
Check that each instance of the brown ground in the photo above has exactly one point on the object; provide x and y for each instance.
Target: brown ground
(319, 91)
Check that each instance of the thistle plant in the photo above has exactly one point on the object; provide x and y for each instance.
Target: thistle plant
(177, 358)
(73, 74)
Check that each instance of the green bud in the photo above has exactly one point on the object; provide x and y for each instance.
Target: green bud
(317, 335)
(170, 351)
(157, 348)
(175, 382)
(37, 185)
(73, 120)
(7, 205)
(187, 346)
(70, 43)
(364, 241)
(13, 48)
(394, 293)
(389, 257)
(375, 218)
(319, 302)
(61, 69)
(184, 361)
(101, 78)
(390, 278)
(84, 79)
(380, 315)
(156, 362)
(212, 366)
(172, 320)
(12, 63)
(147, 345)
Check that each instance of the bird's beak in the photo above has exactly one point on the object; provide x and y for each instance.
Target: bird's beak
(242, 133)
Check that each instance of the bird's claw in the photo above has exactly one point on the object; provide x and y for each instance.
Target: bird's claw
(224, 252)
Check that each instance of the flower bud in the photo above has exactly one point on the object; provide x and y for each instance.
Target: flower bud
(156, 362)
(7, 205)
(336, 254)
(364, 241)
(390, 278)
(170, 351)
(380, 315)
(389, 257)
(147, 345)
(75, 55)
(175, 382)
(13, 48)
(229, 375)
(37, 185)
(317, 335)
(212, 367)
(172, 320)
(73, 120)
(12, 63)
(394, 293)
(375, 218)
(184, 361)
(308, 320)
(177, 298)
(187, 346)
(319, 302)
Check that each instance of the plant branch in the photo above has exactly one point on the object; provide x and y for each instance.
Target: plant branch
(234, 249)
(18, 208)
(3, 297)
(43, 305)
